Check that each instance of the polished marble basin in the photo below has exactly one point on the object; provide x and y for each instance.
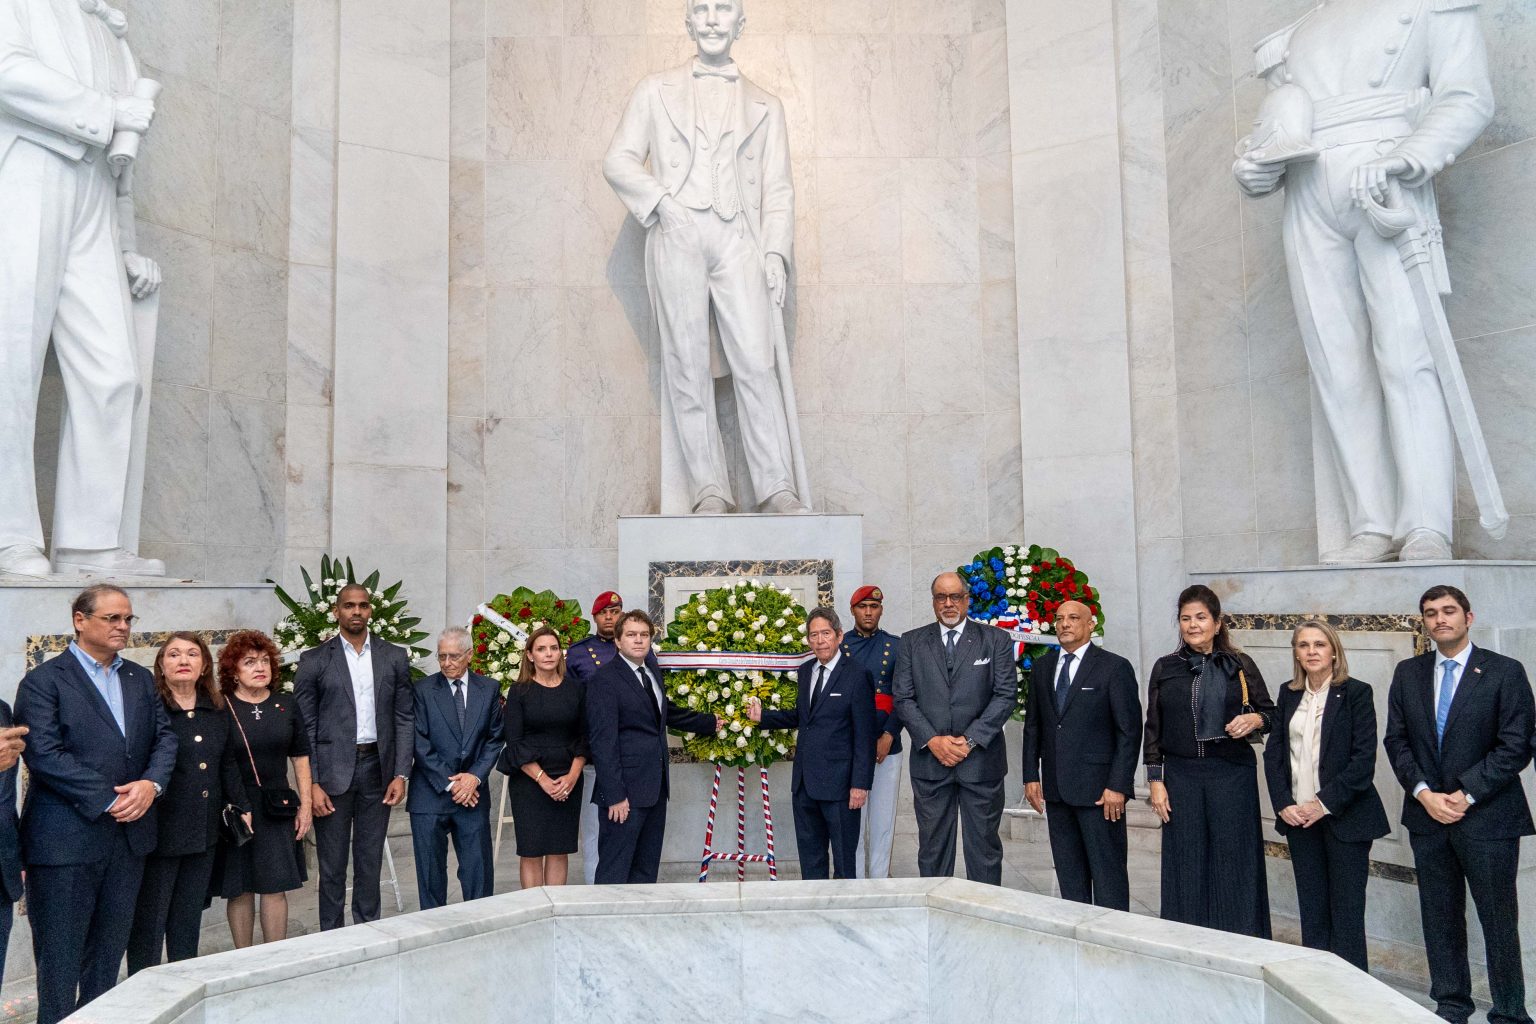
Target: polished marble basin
(843, 952)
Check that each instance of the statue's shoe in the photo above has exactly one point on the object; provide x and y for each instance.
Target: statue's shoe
(711, 506)
(784, 503)
(24, 560)
(1363, 547)
(111, 562)
(1425, 545)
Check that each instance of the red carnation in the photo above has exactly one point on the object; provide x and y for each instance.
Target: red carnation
(560, 606)
(478, 619)
(575, 619)
(480, 648)
(525, 613)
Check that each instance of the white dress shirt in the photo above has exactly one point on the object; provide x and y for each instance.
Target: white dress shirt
(360, 668)
(1307, 743)
(1461, 659)
(1072, 666)
(831, 666)
(652, 683)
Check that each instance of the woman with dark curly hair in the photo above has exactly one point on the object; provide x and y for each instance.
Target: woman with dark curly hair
(268, 733)
(169, 914)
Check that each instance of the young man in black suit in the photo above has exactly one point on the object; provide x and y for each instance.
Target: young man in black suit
(1458, 734)
(628, 715)
(100, 752)
(1082, 735)
(835, 751)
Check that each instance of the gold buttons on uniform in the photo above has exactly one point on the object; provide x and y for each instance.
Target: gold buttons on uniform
(205, 794)
(203, 765)
(191, 714)
(197, 739)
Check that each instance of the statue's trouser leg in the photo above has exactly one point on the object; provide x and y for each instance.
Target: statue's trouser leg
(678, 281)
(1335, 331)
(743, 311)
(61, 272)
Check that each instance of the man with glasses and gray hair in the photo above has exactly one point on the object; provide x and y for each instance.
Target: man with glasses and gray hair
(955, 687)
(458, 742)
(99, 751)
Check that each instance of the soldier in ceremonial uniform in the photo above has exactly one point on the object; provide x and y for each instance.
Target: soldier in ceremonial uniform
(875, 649)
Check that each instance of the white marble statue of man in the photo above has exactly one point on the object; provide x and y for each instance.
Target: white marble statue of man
(71, 110)
(718, 205)
(1369, 99)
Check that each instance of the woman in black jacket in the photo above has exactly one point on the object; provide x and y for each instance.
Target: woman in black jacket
(174, 891)
(1319, 764)
(1206, 706)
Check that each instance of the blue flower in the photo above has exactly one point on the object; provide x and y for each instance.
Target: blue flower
(997, 565)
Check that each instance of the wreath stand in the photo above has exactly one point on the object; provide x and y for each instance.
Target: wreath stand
(741, 857)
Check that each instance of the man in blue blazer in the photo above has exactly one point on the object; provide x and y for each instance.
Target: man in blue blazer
(11, 746)
(100, 751)
(354, 693)
(628, 715)
(1458, 734)
(458, 740)
(1082, 735)
(834, 752)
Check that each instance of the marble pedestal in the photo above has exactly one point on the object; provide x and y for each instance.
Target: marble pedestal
(820, 558)
(1375, 608)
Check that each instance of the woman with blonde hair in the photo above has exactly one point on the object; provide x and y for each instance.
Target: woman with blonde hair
(1319, 764)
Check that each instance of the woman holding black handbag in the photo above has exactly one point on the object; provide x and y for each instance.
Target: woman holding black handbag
(205, 788)
(268, 733)
(1206, 706)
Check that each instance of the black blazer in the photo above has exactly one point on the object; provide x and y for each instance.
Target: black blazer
(323, 690)
(76, 756)
(1345, 765)
(628, 738)
(442, 750)
(1092, 746)
(835, 750)
(10, 835)
(1487, 742)
(206, 776)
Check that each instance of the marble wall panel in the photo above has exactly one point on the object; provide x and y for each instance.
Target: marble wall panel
(250, 333)
(466, 222)
(952, 448)
(312, 197)
(176, 492)
(994, 216)
(597, 75)
(941, 328)
(525, 483)
(467, 586)
(971, 976)
(1488, 228)
(307, 495)
(1216, 462)
(838, 16)
(184, 334)
(1005, 491)
(823, 990)
(1155, 427)
(1063, 75)
(246, 472)
(858, 328)
(1510, 29)
(1252, 20)
(939, 222)
(602, 244)
(620, 460)
(1287, 547)
(525, 204)
(315, 36)
(252, 173)
(1499, 370)
(1212, 348)
(176, 36)
(860, 471)
(466, 482)
(468, 393)
(784, 65)
(857, 106)
(1149, 311)
(607, 365)
(394, 76)
(524, 17)
(861, 226)
(934, 92)
(256, 54)
(525, 354)
(1274, 341)
(999, 346)
(467, 80)
(311, 352)
(173, 179)
(1282, 418)
(524, 117)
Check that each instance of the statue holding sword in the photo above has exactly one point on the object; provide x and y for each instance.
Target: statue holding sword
(1368, 101)
(717, 203)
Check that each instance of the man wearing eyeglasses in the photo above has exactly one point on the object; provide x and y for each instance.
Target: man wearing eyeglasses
(101, 751)
(955, 687)
(458, 741)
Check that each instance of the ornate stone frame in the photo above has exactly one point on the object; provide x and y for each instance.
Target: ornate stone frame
(40, 647)
(657, 573)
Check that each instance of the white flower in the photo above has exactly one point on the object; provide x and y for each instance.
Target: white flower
(802, 629)
(703, 608)
(781, 748)
(503, 638)
(331, 583)
(778, 623)
(522, 644)
(746, 731)
(741, 742)
(721, 734)
(683, 689)
(714, 627)
(713, 696)
(1011, 549)
(737, 686)
(702, 647)
(724, 677)
(786, 639)
(738, 636)
(330, 616)
(735, 727)
(750, 757)
(774, 697)
(760, 637)
(730, 709)
(717, 615)
(314, 588)
(749, 597)
(731, 600)
(1013, 592)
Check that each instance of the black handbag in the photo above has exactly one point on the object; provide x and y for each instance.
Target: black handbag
(277, 801)
(235, 827)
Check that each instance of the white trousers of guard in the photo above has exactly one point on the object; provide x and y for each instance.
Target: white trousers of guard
(61, 277)
(589, 822)
(710, 261)
(877, 831)
(1372, 372)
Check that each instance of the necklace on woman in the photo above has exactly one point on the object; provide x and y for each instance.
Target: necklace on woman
(255, 704)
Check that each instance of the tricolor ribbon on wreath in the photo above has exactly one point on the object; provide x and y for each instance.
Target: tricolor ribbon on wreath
(731, 661)
(1023, 637)
(497, 619)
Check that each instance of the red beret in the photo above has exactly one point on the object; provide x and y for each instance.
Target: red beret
(605, 599)
(868, 592)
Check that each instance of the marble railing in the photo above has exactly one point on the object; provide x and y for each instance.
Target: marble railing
(897, 950)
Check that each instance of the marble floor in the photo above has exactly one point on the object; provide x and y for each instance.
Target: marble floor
(1026, 866)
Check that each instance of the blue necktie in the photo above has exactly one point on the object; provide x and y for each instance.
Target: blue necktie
(1063, 682)
(1447, 692)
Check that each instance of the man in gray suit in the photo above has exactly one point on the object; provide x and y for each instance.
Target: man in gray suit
(955, 686)
(355, 694)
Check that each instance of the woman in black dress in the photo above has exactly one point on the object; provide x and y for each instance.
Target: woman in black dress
(169, 914)
(545, 727)
(1206, 706)
(266, 729)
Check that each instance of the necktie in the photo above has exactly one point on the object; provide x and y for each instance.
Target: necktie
(650, 690)
(1447, 692)
(728, 72)
(821, 680)
(458, 702)
(1063, 682)
(949, 648)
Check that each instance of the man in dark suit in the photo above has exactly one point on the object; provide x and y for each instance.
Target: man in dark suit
(1458, 734)
(354, 692)
(628, 715)
(11, 746)
(100, 751)
(1082, 735)
(458, 739)
(955, 688)
(834, 752)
